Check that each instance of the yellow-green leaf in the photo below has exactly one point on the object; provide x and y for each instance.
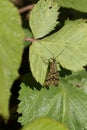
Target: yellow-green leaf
(43, 18)
(11, 47)
(68, 46)
(44, 124)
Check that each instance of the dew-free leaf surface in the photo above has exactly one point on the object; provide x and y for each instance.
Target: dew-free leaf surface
(64, 103)
(75, 4)
(43, 18)
(68, 46)
(44, 124)
(11, 47)
(79, 79)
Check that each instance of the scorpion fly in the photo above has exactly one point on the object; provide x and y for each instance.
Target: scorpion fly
(52, 77)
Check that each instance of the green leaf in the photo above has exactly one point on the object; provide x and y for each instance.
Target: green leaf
(11, 46)
(44, 124)
(84, 88)
(79, 79)
(64, 103)
(68, 46)
(43, 18)
(75, 4)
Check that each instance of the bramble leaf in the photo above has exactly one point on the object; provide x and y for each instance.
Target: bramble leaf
(64, 103)
(78, 5)
(43, 18)
(68, 46)
(79, 79)
(44, 124)
(11, 47)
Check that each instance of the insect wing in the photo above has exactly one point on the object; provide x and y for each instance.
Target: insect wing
(52, 75)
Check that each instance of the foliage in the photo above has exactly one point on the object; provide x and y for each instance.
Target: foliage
(49, 10)
(71, 44)
(78, 5)
(63, 103)
(44, 124)
(11, 47)
(58, 31)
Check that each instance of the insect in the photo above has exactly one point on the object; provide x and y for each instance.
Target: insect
(52, 76)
